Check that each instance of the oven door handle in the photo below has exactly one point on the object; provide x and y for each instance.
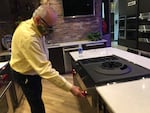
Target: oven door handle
(92, 96)
(6, 88)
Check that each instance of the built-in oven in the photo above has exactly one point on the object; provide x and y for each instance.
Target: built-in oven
(15, 91)
(128, 24)
(122, 27)
(144, 32)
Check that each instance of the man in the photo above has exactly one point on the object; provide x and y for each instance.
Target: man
(29, 61)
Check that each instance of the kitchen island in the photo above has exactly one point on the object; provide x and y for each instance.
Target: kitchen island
(59, 52)
(124, 97)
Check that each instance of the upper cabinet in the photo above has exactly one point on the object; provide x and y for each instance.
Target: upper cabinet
(144, 6)
(131, 7)
(25, 8)
(14, 10)
(7, 10)
(122, 7)
(128, 7)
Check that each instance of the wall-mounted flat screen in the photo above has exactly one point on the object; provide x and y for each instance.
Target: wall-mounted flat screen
(78, 8)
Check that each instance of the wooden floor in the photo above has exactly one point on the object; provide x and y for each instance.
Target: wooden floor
(56, 100)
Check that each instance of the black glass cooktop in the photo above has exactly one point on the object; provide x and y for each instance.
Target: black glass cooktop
(108, 69)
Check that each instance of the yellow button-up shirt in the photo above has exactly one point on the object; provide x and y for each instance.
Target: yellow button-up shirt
(29, 55)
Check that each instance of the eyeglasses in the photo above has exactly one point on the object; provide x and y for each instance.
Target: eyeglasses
(48, 28)
(46, 24)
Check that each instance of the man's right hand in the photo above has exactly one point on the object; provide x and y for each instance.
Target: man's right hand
(76, 91)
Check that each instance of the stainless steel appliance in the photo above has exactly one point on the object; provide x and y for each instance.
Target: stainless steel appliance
(144, 32)
(14, 91)
(93, 72)
(6, 105)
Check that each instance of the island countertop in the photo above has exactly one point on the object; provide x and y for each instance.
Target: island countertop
(126, 97)
(3, 64)
(100, 52)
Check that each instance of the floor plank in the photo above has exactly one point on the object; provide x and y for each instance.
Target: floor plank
(55, 99)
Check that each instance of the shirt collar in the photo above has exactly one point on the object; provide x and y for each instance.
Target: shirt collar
(35, 27)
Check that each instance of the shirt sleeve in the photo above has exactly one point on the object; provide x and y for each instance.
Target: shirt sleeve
(32, 51)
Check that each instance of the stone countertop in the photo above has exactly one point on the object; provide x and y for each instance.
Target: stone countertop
(100, 52)
(127, 97)
(2, 64)
(65, 44)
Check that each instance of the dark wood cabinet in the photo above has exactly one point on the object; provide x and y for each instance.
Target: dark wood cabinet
(7, 10)
(56, 58)
(122, 7)
(144, 6)
(134, 28)
(25, 8)
(17, 10)
(131, 7)
(94, 45)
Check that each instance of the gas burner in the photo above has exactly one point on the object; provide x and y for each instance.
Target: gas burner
(113, 68)
(111, 65)
(99, 59)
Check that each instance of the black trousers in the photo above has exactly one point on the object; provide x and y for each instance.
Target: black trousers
(32, 89)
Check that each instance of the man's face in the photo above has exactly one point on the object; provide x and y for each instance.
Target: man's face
(47, 22)
(44, 27)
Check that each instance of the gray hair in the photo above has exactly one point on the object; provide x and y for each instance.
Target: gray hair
(41, 11)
